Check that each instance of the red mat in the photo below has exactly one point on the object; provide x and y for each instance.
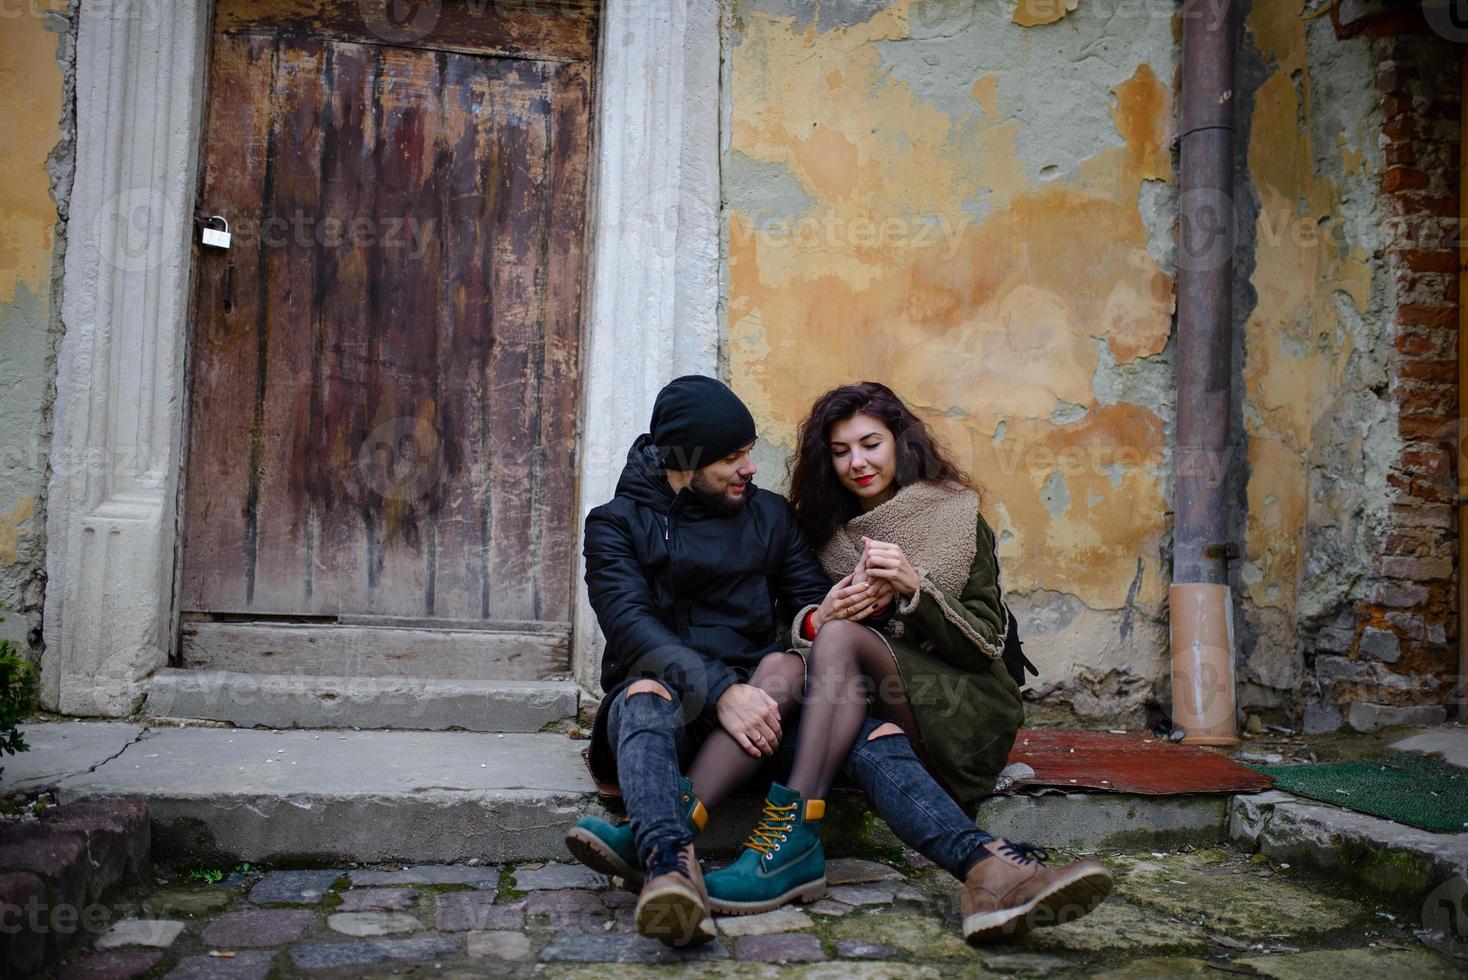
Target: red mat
(1134, 762)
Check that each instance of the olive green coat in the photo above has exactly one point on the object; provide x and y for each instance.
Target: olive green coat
(947, 638)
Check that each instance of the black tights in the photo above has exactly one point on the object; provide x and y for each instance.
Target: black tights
(721, 765)
(847, 664)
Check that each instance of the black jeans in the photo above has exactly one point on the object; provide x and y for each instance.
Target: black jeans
(653, 745)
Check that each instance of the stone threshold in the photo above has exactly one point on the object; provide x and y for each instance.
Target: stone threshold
(372, 796)
(405, 703)
(1419, 871)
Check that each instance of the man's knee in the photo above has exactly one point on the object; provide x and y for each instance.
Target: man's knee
(884, 729)
(649, 686)
(875, 747)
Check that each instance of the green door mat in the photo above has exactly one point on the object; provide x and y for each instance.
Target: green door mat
(1421, 791)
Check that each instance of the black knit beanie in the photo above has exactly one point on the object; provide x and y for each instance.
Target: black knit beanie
(697, 421)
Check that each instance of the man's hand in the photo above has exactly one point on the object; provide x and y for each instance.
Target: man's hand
(852, 600)
(751, 718)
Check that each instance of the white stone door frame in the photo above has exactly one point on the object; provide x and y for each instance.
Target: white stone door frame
(117, 442)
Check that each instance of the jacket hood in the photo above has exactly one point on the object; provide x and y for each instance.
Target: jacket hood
(644, 481)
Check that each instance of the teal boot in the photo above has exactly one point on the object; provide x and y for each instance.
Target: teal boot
(781, 861)
(610, 848)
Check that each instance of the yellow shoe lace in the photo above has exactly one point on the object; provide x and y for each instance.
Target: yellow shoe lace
(778, 821)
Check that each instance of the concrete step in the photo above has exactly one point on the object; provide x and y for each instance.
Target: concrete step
(313, 701)
(1414, 869)
(220, 794)
(1424, 874)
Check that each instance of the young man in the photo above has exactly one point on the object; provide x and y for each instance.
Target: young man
(683, 567)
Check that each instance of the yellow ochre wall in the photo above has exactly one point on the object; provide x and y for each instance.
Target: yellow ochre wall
(975, 203)
(979, 214)
(1318, 437)
(31, 88)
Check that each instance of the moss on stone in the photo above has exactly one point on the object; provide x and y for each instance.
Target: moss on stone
(1228, 895)
(1168, 839)
(508, 890)
(1398, 876)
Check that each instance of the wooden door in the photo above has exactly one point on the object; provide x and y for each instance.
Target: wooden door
(384, 365)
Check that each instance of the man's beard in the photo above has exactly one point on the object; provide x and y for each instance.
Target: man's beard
(717, 501)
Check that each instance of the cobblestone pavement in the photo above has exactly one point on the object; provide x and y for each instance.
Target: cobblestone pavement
(1176, 914)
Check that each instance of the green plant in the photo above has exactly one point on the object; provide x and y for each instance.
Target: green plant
(17, 697)
(213, 876)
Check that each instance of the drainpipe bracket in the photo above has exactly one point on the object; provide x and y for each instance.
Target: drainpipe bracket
(1226, 551)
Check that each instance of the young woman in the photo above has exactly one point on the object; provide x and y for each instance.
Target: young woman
(921, 714)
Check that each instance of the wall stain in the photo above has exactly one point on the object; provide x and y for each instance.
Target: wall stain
(928, 259)
(32, 114)
(1037, 13)
(14, 525)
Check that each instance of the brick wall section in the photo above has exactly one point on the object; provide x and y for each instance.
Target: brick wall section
(1405, 649)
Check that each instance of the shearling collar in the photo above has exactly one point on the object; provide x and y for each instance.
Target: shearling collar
(935, 524)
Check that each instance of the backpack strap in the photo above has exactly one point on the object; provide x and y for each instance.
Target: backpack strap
(1014, 657)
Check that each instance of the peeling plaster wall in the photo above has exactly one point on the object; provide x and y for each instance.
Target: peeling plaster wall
(1318, 436)
(974, 202)
(1337, 591)
(35, 49)
(979, 214)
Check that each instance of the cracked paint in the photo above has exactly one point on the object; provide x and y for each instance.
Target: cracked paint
(1311, 154)
(30, 117)
(1035, 13)
(949, 240)
(14, 525)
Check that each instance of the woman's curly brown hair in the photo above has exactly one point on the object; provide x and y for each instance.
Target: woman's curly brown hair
(820, 501)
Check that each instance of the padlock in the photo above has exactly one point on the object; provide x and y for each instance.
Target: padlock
(215, 238)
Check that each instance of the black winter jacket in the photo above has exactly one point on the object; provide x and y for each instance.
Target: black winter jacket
(688, 596)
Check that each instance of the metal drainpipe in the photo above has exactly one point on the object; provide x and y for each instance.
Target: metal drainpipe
(1462, 433)
(1200, 601)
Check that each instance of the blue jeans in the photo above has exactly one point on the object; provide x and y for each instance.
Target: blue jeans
(645, 731)
(653, 745)
(907, 796)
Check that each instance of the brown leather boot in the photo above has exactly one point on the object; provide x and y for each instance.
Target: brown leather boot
(1011, 892)
(674, 904)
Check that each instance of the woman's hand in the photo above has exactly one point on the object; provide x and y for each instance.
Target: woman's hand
(849, 600)
(887, 563)
(884, 591)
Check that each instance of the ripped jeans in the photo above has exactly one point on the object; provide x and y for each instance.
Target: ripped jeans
(905, 794)
(652, 739)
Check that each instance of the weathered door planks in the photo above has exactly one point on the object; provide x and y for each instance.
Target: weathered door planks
(384, 369)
